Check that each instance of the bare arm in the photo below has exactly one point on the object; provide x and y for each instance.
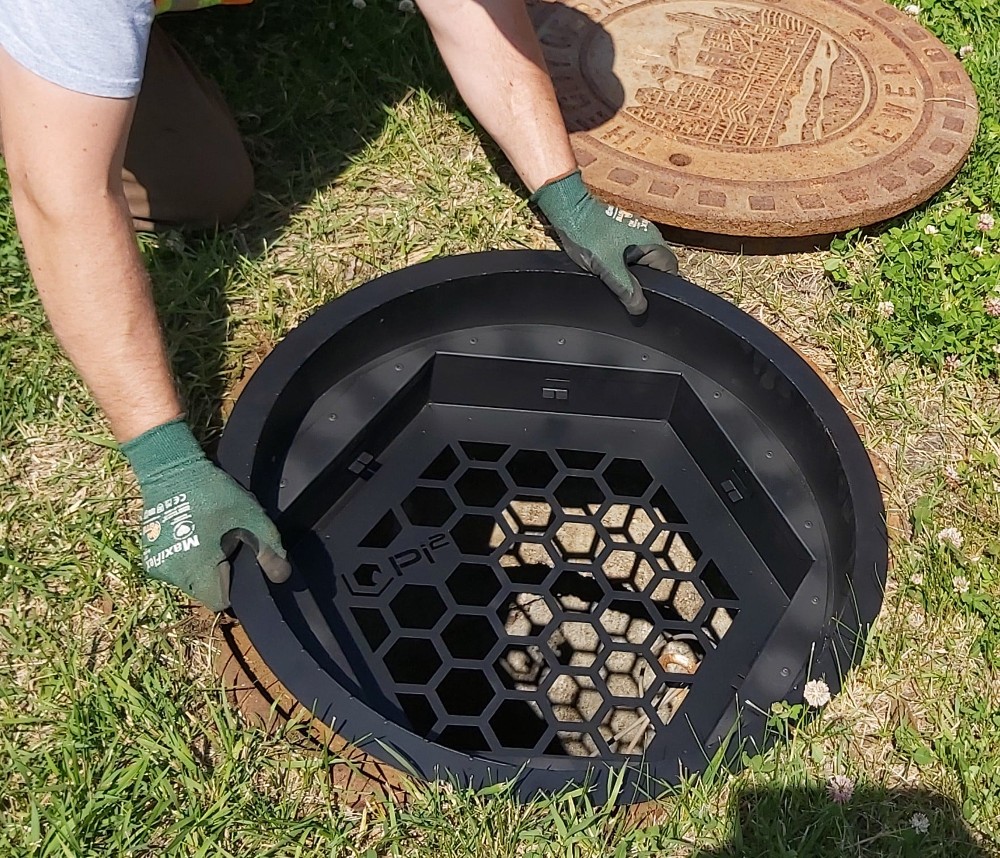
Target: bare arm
(64, 154)
(493, 55)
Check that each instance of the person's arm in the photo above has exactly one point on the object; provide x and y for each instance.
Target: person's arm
(493, 55)
(64, 153)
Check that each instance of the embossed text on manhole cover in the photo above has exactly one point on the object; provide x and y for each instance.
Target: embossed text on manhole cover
(757, 117)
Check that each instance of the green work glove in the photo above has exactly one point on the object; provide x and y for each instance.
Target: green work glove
(195, 516)
(603, 238)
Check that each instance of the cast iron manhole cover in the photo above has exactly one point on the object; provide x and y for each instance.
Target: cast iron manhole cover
(757, 118)
(535, 538)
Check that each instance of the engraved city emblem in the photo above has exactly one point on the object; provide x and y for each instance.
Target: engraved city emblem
(757, 117)
(748, 78)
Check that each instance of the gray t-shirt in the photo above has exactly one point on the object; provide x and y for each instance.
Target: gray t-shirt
(92, 46)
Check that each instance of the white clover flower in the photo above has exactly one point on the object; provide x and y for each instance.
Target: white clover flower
(886, 309)
(951, 536)
(816, 693)
(916, 579)
(965, 51)
(960, 583)
(840, 788)
(986, 222)
(406, 6)
(992, 306)
(913, 9)
(920, 823)
(977, 251)
(952, 362)
(996, 348)
(930, 229)
(358, 4)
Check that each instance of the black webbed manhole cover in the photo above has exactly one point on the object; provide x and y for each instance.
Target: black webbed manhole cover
(535, 538)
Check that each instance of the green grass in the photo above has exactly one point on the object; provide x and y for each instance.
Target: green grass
(115, 737)
(928, 286)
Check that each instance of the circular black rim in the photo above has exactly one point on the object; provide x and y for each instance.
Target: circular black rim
(838, 648)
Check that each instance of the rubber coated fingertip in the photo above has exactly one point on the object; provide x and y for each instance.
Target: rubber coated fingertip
(660, 259)
(636, 303)
(218, 598)
(276, 567)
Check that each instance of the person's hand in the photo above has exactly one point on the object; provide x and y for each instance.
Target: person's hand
(604, 239)
(195, 516)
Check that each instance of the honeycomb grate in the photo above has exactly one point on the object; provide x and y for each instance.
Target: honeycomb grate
(571, 616)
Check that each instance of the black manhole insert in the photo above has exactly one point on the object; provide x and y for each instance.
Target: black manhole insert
(535, 538)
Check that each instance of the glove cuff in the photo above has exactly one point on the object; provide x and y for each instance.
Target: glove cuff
(559, 198)
(161, 449)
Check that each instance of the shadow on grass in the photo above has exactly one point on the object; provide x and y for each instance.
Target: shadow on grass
(310, 85)
(776, 822)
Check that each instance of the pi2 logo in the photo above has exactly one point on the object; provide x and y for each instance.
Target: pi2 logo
(423, 553)
(371, 578)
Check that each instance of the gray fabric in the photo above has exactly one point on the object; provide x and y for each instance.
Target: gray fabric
(91, 46)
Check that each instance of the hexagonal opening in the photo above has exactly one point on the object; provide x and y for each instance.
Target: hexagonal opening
(717, 586)
(576, 744)
(528, 516)
(678, 653)
(465, 692)
(527, 563)
(418, 711)
(627, 570)
(469, 637)
(627, 621)
(720, 620)
(575, 643)
(628, 674)
(463, 737)
(522, 668)
(483, 451)
(580, 496)
(428, 507)
(675, 551)
(478, 487)
(677, 600)
(577, 590)
(373, 626)
(525, 614)
(417, 606)
(477, 535)
(578, 542)
(664, 509)
(442, 467)
(580, 460)
(518, 724)
(627, 478)
(412, 661)
(383, 533)
(575, 699)
(628, 731)
(473, 584)
(531, 469)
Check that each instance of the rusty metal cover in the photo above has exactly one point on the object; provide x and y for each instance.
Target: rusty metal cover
(757, 118)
